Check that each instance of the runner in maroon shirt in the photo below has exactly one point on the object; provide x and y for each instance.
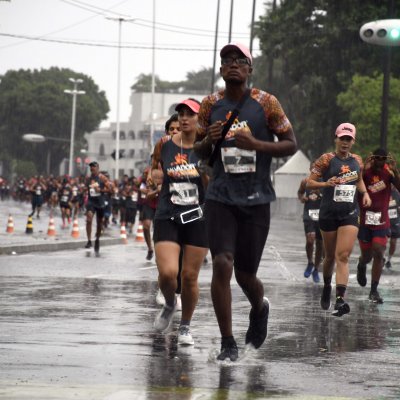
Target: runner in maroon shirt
(379, 174)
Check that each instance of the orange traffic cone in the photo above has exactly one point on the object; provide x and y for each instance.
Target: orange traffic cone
(123, 234)
(10, 224)
(139, 233)
(51, 231)
(75, 229)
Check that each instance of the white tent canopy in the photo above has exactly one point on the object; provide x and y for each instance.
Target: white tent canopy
(288, 177)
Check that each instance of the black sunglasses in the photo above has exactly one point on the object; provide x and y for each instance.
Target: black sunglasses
(239, 61)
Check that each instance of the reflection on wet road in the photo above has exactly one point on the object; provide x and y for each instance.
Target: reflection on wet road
(81, 328)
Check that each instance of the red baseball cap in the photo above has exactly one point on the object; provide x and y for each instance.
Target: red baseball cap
(192, 104)
(237, 47)
(346, 129)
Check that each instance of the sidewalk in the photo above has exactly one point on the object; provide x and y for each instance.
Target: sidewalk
(20, 242)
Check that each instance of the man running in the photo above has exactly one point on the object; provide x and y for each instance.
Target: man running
(238, 197)
(97, 184)
(380, 172)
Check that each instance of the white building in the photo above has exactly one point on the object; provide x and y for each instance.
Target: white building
(134, 140)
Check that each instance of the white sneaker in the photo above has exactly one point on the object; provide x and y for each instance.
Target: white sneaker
(178, 302)
(164, 318)
(160, 299)
(185, 336)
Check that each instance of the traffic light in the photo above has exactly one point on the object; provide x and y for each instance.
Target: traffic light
(384, 32)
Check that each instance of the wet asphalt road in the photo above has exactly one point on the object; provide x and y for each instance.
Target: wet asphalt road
(78, 327)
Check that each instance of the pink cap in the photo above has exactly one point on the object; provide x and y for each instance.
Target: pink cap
(346, 129)
(193, 105)
(236, 47)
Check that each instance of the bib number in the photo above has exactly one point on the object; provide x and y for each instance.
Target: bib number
(238, 161)
(184, 193)
(373, 218)
(344, 193)
(93, 193)
(393, 213)
(314, 214)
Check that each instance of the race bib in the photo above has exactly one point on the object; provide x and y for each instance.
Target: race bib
(38, 191)
(134, 197)
(184, 193)
(93, 193)
(64, 198)
(344, 193)
(314, 214)
(373, 218)
(74, 192)
(393, 213)
(238, 161)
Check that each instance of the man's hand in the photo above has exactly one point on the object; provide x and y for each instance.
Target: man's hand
(214, 131)
(245, 140)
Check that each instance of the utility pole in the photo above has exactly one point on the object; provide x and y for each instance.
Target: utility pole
(74, 92)
(153, 79)
(215, 50)
(120, 20)
(230, 23)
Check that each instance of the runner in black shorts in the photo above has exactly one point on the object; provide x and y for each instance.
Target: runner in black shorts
(178, 222)
(394, 215)
(97, 184)
(311, 200)
(240, 191)
(339, 176)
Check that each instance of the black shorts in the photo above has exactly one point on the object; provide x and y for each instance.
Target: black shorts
(130, 215)
(240, 231)
(330, 225)
(193, 233)
(395, 231)
(147, 213)
(95, 209)
(312, 227)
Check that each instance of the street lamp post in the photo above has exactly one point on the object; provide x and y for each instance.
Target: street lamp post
(120, 21)
(36, 138)
(74, 92)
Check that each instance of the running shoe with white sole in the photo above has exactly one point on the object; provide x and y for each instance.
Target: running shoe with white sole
(164, 318)
(185, 337)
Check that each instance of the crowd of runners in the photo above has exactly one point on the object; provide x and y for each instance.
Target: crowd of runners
(208, 188)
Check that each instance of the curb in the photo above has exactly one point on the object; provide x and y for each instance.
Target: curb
(68, 245)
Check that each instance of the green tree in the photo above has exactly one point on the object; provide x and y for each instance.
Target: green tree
(196, 81)
(316, 49)
(362, 100)
(33, 101)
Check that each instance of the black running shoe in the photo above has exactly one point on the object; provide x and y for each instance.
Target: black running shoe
(257, 331)
(97, 245)
(326, 297)
(375, 297)
(388, 264)
(228, 349)
(149, 255)
(88, 245)
(341, 307)
(361, 274)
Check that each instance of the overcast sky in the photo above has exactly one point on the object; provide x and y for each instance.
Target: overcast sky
(184, 38)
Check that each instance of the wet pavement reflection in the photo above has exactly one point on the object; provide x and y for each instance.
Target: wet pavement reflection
(73, 327)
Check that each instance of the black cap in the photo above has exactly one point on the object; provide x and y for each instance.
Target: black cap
(94, 164)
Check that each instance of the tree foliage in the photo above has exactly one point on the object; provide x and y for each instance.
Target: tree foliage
(35, 102)
(196, 81)
(362, 100)
(315, 49)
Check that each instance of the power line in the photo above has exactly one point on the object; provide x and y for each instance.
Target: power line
(93, 44)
